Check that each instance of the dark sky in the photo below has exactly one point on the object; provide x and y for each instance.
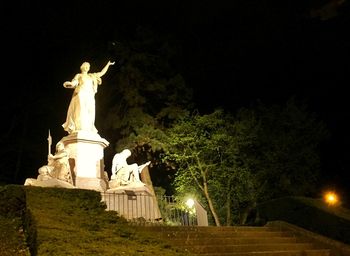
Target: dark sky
(235, 52)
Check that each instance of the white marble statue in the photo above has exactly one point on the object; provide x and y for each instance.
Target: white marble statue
(81, 110)
(59, 163)
(123, 173)
(57, 169)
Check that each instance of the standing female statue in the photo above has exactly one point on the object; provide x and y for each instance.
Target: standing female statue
(81, 110)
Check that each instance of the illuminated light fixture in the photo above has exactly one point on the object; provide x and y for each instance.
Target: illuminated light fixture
(190, 202)
(331, 198)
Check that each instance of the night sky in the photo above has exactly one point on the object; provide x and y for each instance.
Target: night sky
(234, 53)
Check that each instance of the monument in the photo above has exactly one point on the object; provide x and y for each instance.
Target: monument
(79, 158)
(78, 161)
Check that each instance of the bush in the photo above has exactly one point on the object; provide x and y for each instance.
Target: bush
(30, 232)
(14, 222)
(12, 201)
(311, 214)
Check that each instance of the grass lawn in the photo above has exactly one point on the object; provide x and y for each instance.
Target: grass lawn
(75, 222)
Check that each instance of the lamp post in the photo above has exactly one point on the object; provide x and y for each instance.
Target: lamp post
(201, 213)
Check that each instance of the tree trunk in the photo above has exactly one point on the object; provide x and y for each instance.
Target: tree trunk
(211, 206)
(228, 210)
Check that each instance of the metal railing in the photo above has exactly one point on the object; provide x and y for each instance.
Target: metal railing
(146, 208)
(173, 214)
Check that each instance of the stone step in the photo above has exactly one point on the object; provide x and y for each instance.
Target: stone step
(240, 248)
(237, 240)
(232, 240)
(313, 252)
(209, 235)
(217, 232)
(210, 228)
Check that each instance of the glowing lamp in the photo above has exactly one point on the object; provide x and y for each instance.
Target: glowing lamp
(331, 198)
(190, 203)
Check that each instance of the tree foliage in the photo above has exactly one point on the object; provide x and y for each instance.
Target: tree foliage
(232, 162)
(206, 150)
(148, 95)
(286, 156)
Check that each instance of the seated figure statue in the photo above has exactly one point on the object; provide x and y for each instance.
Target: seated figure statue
(60, 164)
(57, 167)
(123, 173)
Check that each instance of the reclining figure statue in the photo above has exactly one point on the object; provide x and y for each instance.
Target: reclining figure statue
(123, 173)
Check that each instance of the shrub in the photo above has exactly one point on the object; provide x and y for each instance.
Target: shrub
(311, 214)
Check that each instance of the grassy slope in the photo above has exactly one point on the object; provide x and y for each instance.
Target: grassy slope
(12, 211)
(12, 241)
(72, 222)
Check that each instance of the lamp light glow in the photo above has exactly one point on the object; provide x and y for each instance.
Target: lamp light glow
(331, 198)
(190, 202)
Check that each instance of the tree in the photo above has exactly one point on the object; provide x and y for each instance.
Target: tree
(233, 162)
(149, 94)
(206, 150)
(286, 156)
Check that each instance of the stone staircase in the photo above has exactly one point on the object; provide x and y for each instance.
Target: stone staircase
(238, 240)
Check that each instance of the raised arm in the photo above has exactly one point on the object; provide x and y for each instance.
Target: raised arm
(105, 69)
(59, 155)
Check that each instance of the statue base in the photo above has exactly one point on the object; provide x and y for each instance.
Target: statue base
(116, 185)
(48, 183)
(91, 183)
(135, 203)
(86, 160)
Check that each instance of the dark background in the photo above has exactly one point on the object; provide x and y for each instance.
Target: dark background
(234, 53)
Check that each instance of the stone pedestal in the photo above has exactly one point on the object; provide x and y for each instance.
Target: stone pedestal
(86, 160)
(133, 202)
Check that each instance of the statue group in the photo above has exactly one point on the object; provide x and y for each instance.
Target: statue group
(78, 158)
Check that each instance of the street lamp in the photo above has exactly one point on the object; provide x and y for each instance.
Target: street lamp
(197, 210)
(331, 198)
(190, 203)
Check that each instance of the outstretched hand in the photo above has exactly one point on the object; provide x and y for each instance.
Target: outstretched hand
(141, 167)
(111, 63)
(68, 84)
